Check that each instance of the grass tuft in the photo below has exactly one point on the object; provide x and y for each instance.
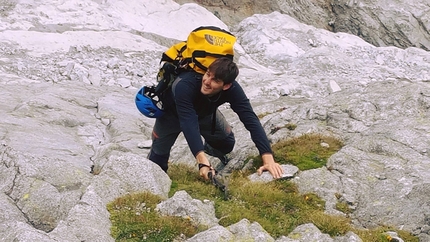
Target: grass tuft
(309, 151)
(134, 218)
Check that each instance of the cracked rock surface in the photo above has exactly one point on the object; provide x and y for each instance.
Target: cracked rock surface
(71, 139)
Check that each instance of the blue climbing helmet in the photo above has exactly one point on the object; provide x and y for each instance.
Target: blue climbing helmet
(148, 103)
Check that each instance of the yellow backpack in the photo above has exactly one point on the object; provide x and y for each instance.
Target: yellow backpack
(202, 47)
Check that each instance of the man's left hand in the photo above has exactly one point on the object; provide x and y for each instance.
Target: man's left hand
(270, 165)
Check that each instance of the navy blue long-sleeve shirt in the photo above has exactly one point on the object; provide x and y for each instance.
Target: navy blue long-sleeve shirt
(192, 105)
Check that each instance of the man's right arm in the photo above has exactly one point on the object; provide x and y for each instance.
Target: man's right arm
(184, 93)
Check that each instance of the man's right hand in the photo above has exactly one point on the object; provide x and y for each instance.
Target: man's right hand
(204, 170)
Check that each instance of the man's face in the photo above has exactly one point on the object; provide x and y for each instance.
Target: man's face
(212, 86)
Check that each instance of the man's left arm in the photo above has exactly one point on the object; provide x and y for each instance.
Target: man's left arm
(241, 105)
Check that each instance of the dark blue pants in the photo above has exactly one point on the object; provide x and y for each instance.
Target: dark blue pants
(167, 129)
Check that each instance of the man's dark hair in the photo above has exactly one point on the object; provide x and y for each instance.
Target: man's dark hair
(224, 69)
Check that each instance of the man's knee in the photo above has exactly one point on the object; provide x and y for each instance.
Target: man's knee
(160, 160)
(229, 142)
(226, 145)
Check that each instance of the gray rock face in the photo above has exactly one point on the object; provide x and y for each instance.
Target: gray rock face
(244, 230)
(183, 205)
(383, 122)
(381, 23)
(44, 190)
(289, 172)
(306, 232)
(213, 234)
(385, 24)
(72, 139)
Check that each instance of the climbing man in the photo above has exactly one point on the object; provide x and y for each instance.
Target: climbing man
(190, 106)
